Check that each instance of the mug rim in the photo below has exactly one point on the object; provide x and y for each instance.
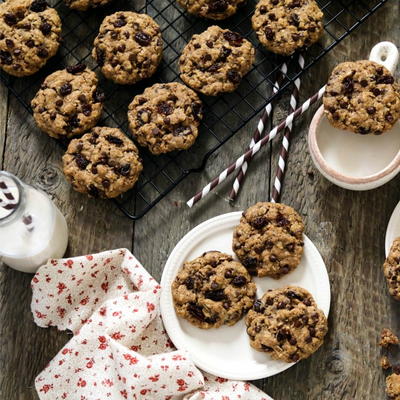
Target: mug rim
(320, 160)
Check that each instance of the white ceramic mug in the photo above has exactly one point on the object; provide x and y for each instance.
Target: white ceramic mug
(357, 162)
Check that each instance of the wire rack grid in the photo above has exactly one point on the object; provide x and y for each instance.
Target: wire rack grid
(224, 115)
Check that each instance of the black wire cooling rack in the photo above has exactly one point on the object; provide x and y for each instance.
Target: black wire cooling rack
(224, 115)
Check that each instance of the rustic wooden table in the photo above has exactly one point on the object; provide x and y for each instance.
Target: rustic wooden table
(347, 227)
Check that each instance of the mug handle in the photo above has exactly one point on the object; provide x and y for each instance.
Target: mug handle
(386, 54)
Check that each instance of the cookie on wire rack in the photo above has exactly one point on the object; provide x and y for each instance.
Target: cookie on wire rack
(213, 290)
(269, 239)
(102, 163)
(284, 26)
(286, 324)
(83, 5)
(165, 117)
(68, 102)
(128, 47)
(30, 34)
(362, 97)
(216, 60)
(212, 9)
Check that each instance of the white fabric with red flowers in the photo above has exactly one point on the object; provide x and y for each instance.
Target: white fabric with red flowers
(119, 349)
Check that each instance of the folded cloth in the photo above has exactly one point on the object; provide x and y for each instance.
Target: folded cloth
(120, 349)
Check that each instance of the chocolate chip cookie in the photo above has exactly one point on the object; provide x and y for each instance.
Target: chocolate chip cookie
(102, 163)
(83, 5)
(269, 239)
(391, 269)
(393, 387)
(128, 47)
(68, 103)
(287, 324)
(213, 9)
(165, 117)
(362, 97)
(30, 34)
(213, 290)
(284, 26)
(216, 60)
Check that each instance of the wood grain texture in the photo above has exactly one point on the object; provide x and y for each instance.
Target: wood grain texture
(347, 227)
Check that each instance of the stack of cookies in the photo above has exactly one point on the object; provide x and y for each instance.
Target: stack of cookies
(128, 49)
(214, 289)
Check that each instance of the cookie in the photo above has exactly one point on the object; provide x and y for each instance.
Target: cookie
(216, 60)
(269, 239)
(391, 269)
(30, 34)
(165, 117)
(287, 324)
(393, 387)
(83, 5)
(213, 290)
(362, 97)
(128, 47)
(284, 26)
(388, 338)
(68, 103)
(212, 9)
(102, 163)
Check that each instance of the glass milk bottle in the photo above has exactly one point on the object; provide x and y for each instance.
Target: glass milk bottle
(32, 229)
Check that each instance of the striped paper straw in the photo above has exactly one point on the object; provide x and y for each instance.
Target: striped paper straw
(257, 135)
(283, 154)
(10, 203)
(250, 153)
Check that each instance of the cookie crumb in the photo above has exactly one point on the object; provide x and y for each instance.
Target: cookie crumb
(388, 338)
(393, 387)
(385, 363)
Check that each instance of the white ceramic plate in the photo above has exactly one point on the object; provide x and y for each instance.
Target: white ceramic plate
(393, 228)
(225, 351)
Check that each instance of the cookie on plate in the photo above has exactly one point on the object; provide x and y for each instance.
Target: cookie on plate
(30, 34)
(391, 269)
(216, 60)
(213, 290)
(128, 47)
(102, 163)
(165, 117)
(393, 387)
(83, 5)
(213, 9)
(68, 103)
(269, 239)
(287, 324)
(284, 26)
(362, 97)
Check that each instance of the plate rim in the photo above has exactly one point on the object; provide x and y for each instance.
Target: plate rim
(393, 217)
(167, 308)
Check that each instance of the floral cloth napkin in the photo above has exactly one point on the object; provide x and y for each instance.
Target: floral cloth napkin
(120, 349)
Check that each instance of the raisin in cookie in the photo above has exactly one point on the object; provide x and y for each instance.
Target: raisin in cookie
(128, 47)
(213, 9)
(30, 34)
(362, 97)
(269, 239)
(213, 290)
(165, 117)
(393, 387)
(216, 60)
(102, 163)
(68, 103)
(391, 269)
(287, 324)
(284, 26)
(83, 5)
